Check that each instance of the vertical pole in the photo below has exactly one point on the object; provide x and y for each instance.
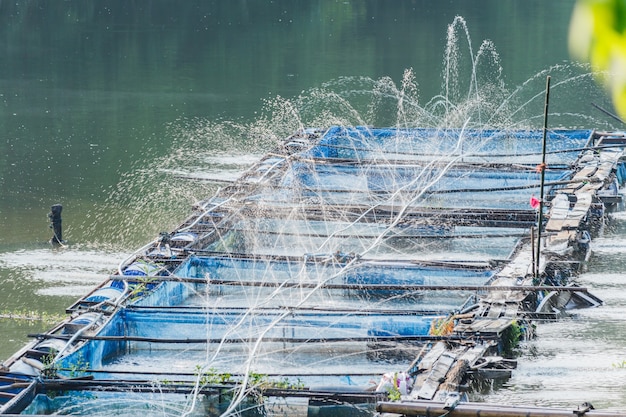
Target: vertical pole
(542, 169)
(55, 224)
(532, 245)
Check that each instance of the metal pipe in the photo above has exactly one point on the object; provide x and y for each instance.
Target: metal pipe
(372, 287)
(185, 388)
(436, 409)
(359, 339)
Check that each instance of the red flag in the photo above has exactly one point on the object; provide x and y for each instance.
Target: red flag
(541, 167)
(534, 202)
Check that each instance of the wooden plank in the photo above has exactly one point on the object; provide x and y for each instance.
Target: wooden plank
(425, 366)
(560, 207)
(506, 297)
(431, 357)
(560, 241)
(571, 224)
(587, 171)
(511, 310)
(583, 202)
(437, 376)
(581, 207)
(570, 218)
(474, 353)
(604, 170)
(495, 311)
(462, 328)
(520, 265)
(611, 154)
(453, 379)
(558, 212)
(485, 326)
(554, 225)
(497, 326)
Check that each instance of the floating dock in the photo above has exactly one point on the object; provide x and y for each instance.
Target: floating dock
(350, 270)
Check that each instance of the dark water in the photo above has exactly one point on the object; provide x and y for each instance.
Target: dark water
(108, 107)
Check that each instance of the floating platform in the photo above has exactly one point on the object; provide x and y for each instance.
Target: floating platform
(349, 270)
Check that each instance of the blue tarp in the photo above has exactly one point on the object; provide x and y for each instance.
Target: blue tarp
(207, 268)
(216, 324)
(357, 142)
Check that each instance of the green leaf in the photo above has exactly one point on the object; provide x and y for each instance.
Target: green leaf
(598, 35)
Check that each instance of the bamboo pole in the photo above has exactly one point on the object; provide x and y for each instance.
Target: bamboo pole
(532, 245)
(543, 177)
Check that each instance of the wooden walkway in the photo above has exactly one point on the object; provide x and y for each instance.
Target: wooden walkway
(443, 369)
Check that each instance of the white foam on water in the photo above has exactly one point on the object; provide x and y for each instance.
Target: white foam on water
(216, 175)
(66, 265)
(618, 215)
(608, 245)
(67, 290)
(236, 160)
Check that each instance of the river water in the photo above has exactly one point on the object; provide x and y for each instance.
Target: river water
(127, 112)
